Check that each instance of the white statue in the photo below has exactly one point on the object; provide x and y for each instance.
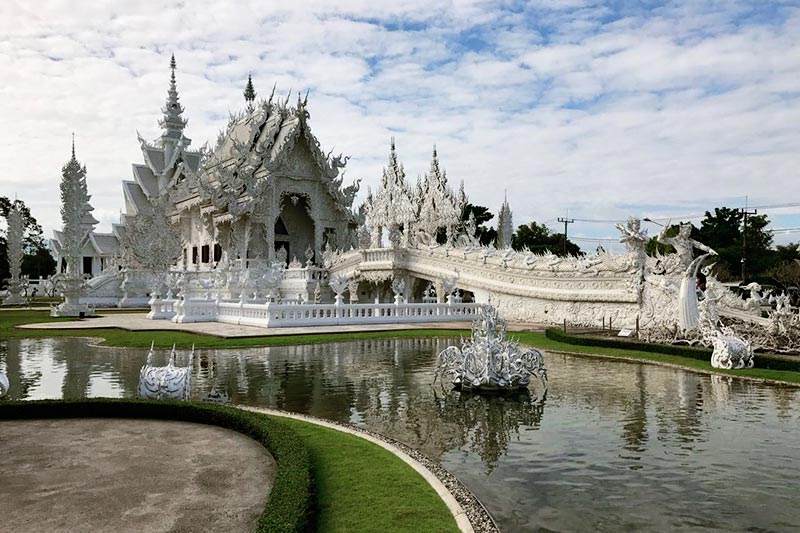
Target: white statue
(3, 384)
(633, 236)
(16, 284)
(165, 382)
(688, 315)
(730, 350)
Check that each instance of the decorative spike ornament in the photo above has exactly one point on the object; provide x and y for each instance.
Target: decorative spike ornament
(250, 94)
(505, 225)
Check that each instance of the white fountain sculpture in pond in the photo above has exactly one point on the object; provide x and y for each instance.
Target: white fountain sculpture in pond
(165, 382)
(489, 361)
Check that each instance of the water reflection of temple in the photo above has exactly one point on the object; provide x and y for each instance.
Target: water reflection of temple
(387, 385)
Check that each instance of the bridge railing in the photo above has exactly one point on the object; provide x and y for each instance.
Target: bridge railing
(272, 315)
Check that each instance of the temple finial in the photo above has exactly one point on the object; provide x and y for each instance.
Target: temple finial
(73, 145)
(435, 155)
(249, 94)
(172, 123)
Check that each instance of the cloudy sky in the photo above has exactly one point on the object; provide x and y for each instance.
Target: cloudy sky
(604, 109)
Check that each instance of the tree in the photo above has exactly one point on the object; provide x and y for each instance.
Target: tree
(36, 260)
(538, 238)
(723, 231)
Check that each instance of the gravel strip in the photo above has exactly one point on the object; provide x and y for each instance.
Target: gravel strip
(478, 515)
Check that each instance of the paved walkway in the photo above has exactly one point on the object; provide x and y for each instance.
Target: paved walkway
(130, 475)
(138, 322)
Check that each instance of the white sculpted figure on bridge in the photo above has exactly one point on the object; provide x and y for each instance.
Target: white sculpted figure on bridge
(688, 315)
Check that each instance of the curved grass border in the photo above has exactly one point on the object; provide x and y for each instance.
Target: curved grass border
(290, 504)
(702, 365)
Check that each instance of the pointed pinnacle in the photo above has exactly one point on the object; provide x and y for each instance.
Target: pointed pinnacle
(73, 145)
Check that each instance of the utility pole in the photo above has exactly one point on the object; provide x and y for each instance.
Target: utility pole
(744, 212)
(565, 221)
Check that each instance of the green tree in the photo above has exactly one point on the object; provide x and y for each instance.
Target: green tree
(37, 260)
(723, 231)
(538, 238)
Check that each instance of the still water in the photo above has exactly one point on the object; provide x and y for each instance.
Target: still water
(614, 446)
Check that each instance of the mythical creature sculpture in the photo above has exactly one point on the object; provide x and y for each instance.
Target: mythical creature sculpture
(730, 350)
(488, 361)
(165, 382)
(633, 236)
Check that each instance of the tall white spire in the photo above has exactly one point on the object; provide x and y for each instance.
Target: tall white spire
(505, 225)
(173, 121)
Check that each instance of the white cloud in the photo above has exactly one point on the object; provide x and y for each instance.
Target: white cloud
(565, 104)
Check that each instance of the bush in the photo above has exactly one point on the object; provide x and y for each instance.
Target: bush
(767, 361)
(290, 502)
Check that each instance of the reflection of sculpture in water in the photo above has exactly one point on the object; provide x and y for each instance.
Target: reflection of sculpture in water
(489, 422)
(688, 315)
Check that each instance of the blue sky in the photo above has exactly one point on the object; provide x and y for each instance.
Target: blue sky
(604, 109)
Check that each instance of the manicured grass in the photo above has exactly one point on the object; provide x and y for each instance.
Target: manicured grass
(165, 339)
(327, 480)
(363, 487)
(539, 340)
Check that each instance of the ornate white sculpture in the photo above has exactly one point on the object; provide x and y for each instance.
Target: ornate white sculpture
(78, 222)
(488, 361)
(393, 206)
(398, 288)
(166, 382)
(505, 226)
(150, 242)
(437, 206)
(688, 315)
(730, 350)
(16, 284)
(3, 384)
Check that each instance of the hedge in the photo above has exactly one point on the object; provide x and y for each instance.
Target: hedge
(290, 504)
(766, 361)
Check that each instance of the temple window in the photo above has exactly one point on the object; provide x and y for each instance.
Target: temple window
(194, 255)
(217, 253)
(204, 253)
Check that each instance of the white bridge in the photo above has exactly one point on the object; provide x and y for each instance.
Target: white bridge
(524, 287)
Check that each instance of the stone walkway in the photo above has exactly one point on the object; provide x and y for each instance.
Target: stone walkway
(130, 475)
(138, 322)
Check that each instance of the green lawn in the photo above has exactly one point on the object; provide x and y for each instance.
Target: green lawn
(363, 487)
(165, 339)
(539, 340)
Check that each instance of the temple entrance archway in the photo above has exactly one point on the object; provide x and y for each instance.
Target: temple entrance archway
(294, 227)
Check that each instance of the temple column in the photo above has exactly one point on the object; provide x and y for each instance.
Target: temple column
(319, 227)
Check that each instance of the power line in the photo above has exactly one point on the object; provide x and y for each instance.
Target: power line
(688, 217)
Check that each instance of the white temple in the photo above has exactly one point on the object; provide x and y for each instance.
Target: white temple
(246, 231)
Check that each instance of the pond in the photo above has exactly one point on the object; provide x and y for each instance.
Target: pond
(614, 446)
